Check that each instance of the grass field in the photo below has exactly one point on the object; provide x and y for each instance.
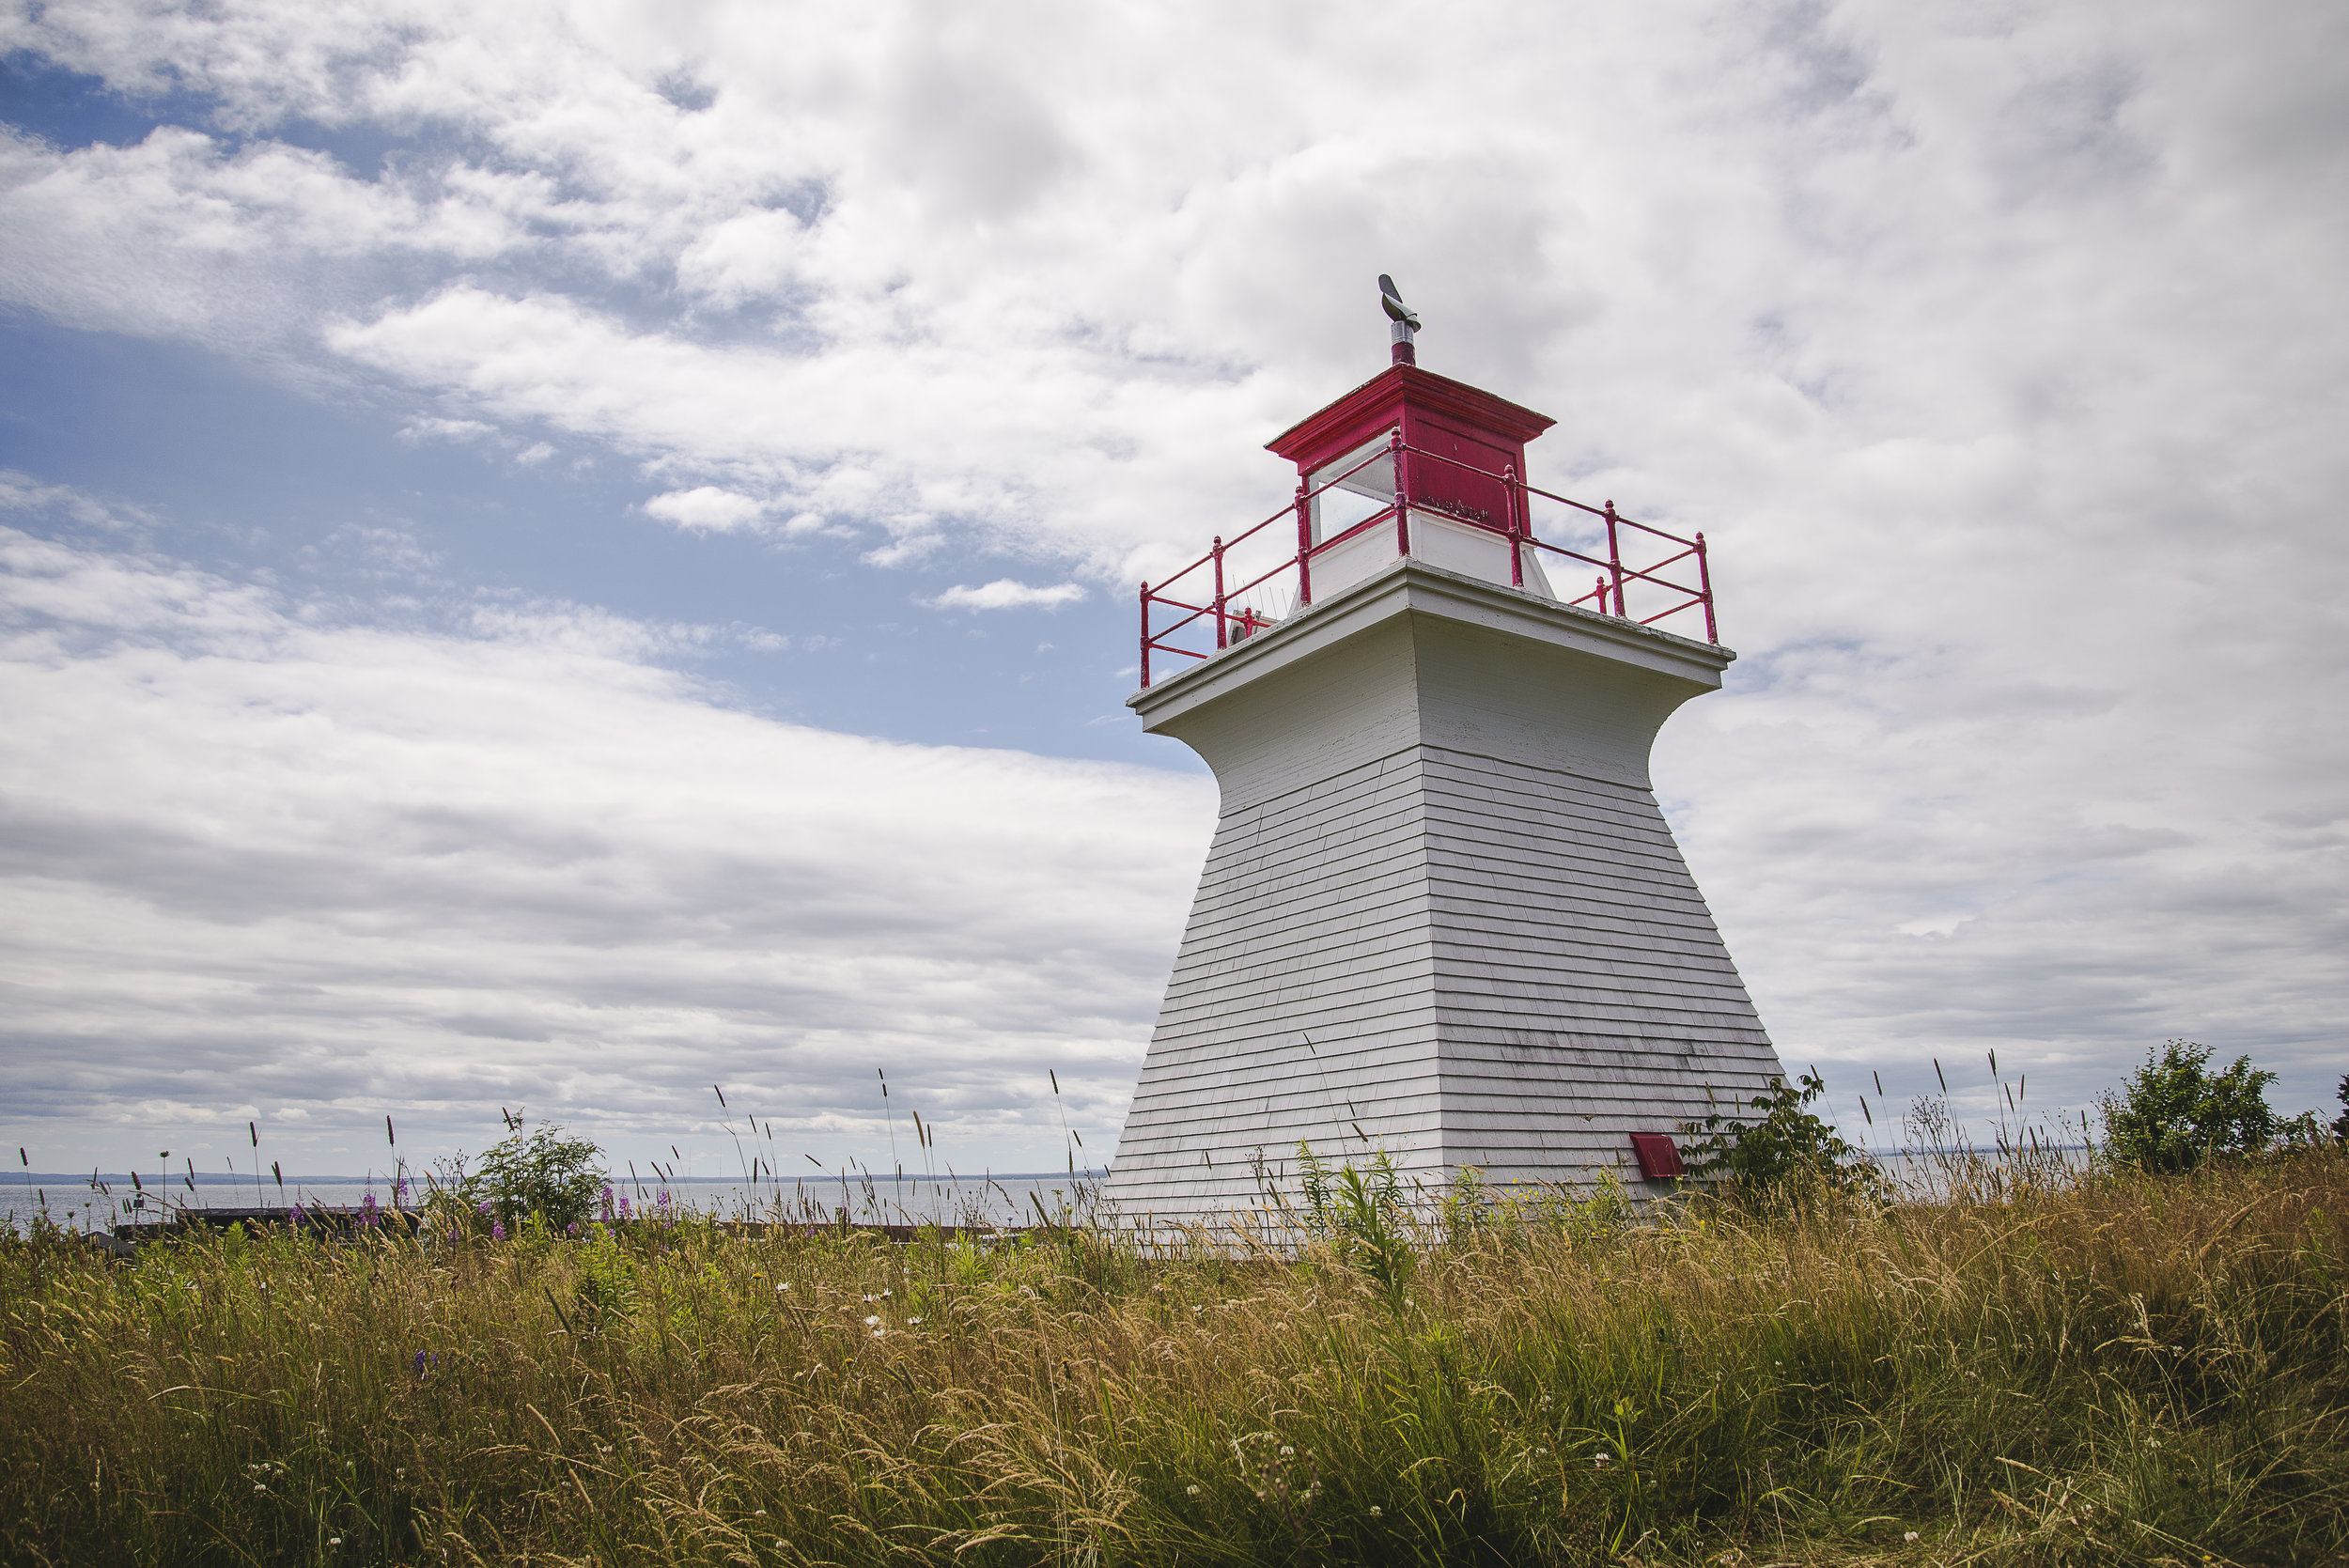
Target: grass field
(2082, 1371)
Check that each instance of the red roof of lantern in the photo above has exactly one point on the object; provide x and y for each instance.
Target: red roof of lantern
(1437, 416)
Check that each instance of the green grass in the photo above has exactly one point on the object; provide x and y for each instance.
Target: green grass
(2093, 1371)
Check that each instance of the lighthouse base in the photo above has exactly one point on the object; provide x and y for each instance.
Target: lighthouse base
(1442, 917)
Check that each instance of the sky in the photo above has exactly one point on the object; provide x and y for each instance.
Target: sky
(567, 556)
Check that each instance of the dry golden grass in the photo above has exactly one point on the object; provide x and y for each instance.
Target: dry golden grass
(2098, 1371)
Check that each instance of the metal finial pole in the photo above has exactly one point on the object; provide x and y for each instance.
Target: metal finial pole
(1403, 321)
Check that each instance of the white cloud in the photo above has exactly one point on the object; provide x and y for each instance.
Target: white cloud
(707, 508)
(341, 871)
(22, 492)
(423, 427)
(1005, 594)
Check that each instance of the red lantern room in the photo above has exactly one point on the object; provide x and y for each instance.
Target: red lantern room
(1454, 452)
(1415, 466)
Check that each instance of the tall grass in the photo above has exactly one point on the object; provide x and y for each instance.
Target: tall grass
(2066, 1371)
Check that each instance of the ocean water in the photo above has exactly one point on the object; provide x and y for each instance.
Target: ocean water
(1006, 1200)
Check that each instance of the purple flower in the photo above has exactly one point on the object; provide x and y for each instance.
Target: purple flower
(484, 1207)
(399, 1189)
(623, 1208)
(574, 1227)
(497, 1229)
(298, 1218)
(424, 1361)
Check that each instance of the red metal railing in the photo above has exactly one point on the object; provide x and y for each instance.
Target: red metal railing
(1236, 601)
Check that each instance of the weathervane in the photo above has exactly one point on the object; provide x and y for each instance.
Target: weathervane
(1405, 320)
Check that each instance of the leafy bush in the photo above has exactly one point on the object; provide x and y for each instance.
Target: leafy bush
(2173, 1112)
(1785, 1143)
(2341, 1122)
(544, 1173)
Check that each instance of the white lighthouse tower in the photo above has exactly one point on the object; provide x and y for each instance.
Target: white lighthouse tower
(1442, 916)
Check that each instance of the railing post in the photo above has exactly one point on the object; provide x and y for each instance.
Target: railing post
(1304, 548)
(1217, 552)
(1704, 587)
(1402, 496)
(1615, 558)
(1146, 632)
(1511, 499)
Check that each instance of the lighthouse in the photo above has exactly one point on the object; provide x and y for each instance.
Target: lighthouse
(1442, 916)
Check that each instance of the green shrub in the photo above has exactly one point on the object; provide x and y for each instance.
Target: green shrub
(2173, 1112)
(1786, 1145)
(544, 1173)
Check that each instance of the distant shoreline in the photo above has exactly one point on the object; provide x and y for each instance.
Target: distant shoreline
(221, 1178)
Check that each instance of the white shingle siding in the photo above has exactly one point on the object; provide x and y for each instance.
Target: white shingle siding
(1441, 905)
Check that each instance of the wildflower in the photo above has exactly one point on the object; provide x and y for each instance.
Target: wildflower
(912, 1320)
(871, 1322)
(1598, 1461)
(879, 1332)
(259, 1487)
(1376, 1511)
(1286, 1450)
(483, 1208)
(1910, 1535)
(497, 1229)
(758, 1513)
(334, 1540)
(1190, 1491)
(1541, 1454)
(786, 1285)
(574, 1227)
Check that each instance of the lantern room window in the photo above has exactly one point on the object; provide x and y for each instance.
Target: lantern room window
(1353, 489)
